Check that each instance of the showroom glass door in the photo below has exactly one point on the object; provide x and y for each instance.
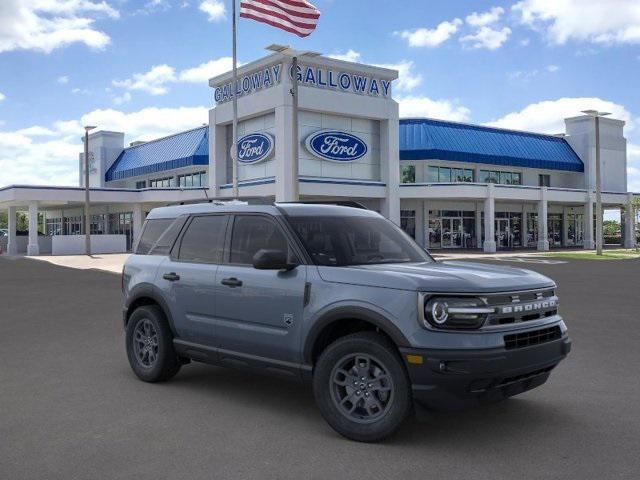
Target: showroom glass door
(451, 233)
(503, 233)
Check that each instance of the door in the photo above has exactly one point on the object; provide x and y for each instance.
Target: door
(503, 233)
(188, 278)
(451, 232)
(259, 312)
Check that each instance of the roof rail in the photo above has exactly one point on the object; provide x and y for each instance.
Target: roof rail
(340, 203)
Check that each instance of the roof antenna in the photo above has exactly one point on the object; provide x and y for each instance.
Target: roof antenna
(204, 189)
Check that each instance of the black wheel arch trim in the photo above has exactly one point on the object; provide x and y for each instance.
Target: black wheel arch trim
(148, 291)
(355, 313)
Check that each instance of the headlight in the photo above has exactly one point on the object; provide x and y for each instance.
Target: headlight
(455, 312)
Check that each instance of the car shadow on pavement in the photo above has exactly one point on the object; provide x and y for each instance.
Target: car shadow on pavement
(511, 421)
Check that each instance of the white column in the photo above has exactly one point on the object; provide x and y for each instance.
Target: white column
(543, 240)
(12, 245)
(589, 242)
(390, 167)
(284, 155)
(478, 226)
(137, 222)
(489, 221)
(33, 248)
(629, 224)
(425, 218)
(565, 227)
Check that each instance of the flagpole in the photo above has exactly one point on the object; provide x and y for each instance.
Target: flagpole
(234, 146)
(295, 194)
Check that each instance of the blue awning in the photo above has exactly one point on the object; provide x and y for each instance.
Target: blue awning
(427, 139)
(183, 149)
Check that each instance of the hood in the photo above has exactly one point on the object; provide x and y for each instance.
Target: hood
(461, 277)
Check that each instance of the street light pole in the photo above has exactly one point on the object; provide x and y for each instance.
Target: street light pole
(87, 204)
(596, 114)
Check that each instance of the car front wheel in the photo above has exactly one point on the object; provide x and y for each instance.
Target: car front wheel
(361, 387)
(150, 345)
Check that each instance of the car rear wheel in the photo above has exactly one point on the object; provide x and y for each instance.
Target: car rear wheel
(361, 387)
(150, 345)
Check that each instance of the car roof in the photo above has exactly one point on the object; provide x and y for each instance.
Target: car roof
(293, 209)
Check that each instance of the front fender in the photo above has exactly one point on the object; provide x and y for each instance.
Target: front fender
(364, 312)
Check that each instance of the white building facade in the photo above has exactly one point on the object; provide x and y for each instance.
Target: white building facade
(449, 185)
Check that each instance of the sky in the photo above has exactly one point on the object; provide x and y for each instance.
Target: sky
(142, 66)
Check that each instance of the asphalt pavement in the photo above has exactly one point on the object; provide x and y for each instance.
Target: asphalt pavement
(70, 408)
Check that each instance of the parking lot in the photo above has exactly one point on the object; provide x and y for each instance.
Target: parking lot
(71, 408)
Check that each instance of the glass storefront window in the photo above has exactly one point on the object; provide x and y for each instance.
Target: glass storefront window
(435, 229)
(445, 175)
(504, 178)
(408, 174)
(575, 229)
(451, 229)
(532, 229)
(554, 229)
(408, 222)
(432, 174)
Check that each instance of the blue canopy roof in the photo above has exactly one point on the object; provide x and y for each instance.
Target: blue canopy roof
(176, 151)
(427, 139)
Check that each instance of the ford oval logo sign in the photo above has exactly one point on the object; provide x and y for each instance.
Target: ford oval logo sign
(255, 148)
(336, 146)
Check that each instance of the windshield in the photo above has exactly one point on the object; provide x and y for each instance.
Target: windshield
(358, 240)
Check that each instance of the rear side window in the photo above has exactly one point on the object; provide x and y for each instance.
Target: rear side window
(252, 233)
(203, 240)
(152, 231)
(168, 238)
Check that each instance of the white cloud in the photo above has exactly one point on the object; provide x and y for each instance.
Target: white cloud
(424, 37)
(203, 72)
(407, 78)
(63, 79)
(120, 99)
(487, 37)
(595, 21)
(154, 81)
(525, 42)
(45, 25)
(214, 9)
(552, 68)
(48, 155)
(2, 96)
(420, 106)
(349, 56)
(486, 18)
(548, 116)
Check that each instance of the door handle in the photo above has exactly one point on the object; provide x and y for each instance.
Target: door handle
(172, 277)
(231, 282)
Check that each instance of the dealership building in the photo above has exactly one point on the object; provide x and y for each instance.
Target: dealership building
(449, 185)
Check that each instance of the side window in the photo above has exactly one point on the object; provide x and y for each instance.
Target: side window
(252, 233)
(168, 238)
(204, 239)
(152, 231)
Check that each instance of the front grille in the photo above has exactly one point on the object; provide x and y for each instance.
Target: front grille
(519, 307)
(535, 337)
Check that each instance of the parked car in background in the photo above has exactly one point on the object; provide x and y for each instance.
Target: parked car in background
(339, 297)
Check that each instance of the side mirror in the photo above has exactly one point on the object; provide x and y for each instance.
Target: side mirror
(272, 260)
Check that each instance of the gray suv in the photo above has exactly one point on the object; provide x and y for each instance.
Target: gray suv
(340, 298)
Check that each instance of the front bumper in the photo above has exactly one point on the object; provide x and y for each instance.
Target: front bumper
(456, 379)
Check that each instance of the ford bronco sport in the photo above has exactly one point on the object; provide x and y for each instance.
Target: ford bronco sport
(341, 298)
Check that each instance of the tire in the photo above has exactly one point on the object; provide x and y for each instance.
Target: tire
(149, 344)
(364, 411)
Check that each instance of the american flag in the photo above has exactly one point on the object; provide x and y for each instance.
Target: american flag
(294, 16)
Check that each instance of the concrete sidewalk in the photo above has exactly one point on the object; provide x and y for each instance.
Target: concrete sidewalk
(106, 262)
